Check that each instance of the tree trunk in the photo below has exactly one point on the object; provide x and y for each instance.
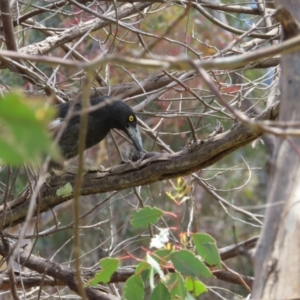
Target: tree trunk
(277, 268)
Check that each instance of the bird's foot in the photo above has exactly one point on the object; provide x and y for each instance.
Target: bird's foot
(192, 145)
(136, 158)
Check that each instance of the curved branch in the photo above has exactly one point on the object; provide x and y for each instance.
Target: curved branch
(57, 271)
(160, 167)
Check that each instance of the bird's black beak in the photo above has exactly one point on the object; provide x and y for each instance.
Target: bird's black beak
(135, 136)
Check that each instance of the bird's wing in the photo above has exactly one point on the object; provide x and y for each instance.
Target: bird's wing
(62, 110)
(55, 124)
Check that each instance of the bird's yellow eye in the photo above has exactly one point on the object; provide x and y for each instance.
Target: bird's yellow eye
(131, 118)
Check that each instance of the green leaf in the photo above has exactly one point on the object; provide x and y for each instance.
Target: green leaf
(134, 288)
(176, 286)
(162, 256)
(160, 292)
(24, 136)
(108, 267)
(143, 269)
(206, 247)
(9, 154)
(187, 263)
(145, 216)
(189, 297)
(195, 287)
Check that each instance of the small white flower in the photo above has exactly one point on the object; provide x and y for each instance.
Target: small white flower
(159, 240)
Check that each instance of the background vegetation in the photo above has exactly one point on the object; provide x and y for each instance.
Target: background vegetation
(152, 55)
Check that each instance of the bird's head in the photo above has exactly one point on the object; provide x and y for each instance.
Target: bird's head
(127, 122)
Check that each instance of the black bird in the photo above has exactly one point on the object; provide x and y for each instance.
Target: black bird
(110, 114)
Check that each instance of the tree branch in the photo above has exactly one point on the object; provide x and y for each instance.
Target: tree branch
(55, 270)
(159, 167)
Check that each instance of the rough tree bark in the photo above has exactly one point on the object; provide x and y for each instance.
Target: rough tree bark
(277, 269)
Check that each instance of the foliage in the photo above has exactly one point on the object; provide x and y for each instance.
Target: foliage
(169, 230)
(108, 267)
(23, 130)
(145, 216)
(170, 273)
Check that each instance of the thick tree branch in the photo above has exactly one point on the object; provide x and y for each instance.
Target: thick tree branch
(8, 30)
(233, 278)
(235, 250)
(276, 261)
(159, 167)
(55, 270)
